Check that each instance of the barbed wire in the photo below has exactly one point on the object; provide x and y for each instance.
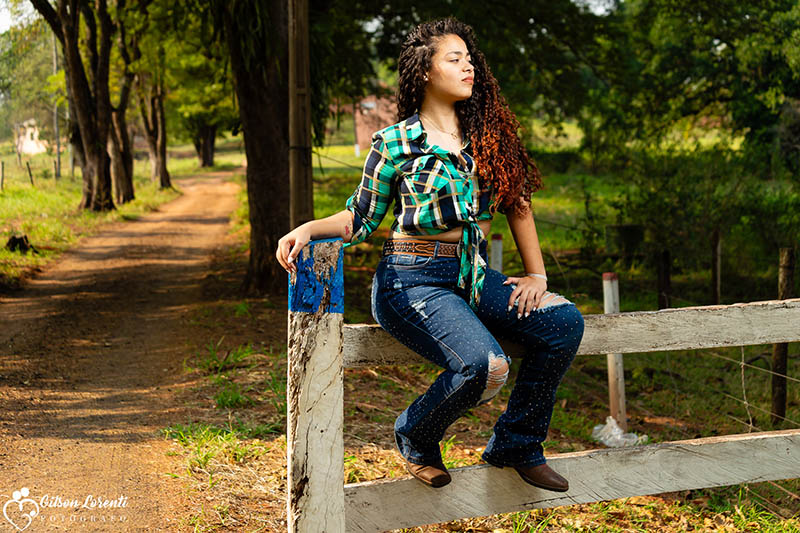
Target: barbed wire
(744, 395)
(776, 510)
(768, 371)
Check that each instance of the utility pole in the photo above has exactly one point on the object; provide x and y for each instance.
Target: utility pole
(301, 192)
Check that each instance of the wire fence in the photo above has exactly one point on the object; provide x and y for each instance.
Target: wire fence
(759, 498)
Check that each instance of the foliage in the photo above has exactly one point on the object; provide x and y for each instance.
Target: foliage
(28, 87)
(197, 73)
(680, 196)
(539, 51)
(729, 63)
(772, 213)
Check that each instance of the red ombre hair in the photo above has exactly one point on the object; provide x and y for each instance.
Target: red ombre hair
(502, 162)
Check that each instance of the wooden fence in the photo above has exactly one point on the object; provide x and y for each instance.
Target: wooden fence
(320, 346)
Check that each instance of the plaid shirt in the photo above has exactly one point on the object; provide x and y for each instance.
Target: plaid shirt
(434, 191)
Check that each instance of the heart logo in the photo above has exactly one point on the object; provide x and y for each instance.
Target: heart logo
(20, 498)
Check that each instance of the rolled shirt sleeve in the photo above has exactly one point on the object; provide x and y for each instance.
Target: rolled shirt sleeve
(372, 197)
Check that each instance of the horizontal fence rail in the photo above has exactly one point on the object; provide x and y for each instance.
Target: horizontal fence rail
(594, 475)
(686, 328)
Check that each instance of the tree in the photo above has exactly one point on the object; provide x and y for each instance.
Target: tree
(28, 87)
(538, 50)
(255, 35)
(119, 144)
(676, 60)
(200, 102)
(90, 101)
(148, 52)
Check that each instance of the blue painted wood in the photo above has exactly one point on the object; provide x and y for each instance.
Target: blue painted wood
(309, 287)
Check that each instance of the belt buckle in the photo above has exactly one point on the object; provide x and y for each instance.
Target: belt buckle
(459, 246)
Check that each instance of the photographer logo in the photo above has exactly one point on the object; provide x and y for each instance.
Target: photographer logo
(21, 508)
(21, 511)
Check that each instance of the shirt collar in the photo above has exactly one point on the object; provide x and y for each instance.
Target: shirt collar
(414, 131)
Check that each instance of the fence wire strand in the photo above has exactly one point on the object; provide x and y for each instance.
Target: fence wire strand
(748, 365)
(767, 505)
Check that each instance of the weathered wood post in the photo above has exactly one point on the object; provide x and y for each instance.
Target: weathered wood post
(315, 411)
(2, 174)
(496, 252)
(301, 188)
(616, 367)
(780, 351)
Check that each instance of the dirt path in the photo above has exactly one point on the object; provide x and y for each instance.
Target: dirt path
(91, 353)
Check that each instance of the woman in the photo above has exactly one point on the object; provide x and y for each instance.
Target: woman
(449, 164)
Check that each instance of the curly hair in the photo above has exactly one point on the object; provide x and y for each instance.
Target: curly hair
(501, 160)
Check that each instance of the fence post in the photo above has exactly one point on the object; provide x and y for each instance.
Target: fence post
(616, 367)
(780, 351)
(496, 252)
(2, 174)
(30, 174)
(314, 392)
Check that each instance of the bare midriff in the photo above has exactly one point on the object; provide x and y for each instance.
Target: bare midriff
(452, 235)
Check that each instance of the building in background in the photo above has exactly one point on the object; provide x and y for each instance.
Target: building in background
(27, 138)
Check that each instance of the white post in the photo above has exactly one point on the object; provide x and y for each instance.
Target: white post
(496, 252)
(616, 368)
(314, 392)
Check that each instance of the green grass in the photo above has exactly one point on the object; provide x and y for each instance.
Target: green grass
(217, 361)
(232, 394)
(207, 442)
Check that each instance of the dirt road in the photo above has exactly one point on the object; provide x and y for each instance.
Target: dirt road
(91, 351)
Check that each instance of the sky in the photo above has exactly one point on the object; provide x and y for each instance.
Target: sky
(5, 18)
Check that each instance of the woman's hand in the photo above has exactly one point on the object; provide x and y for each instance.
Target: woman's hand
(290, 245)
(528, 293)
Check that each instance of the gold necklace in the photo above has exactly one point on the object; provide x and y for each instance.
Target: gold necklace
(453, 134)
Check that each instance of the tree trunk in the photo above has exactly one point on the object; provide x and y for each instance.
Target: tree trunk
(204, 144)
(151, 108)
(92, 101)
(161, 140)
(152, 156)
(119, 146)
(663, 267)
(716, 266)
(780, 351)
(263, 109)
(77, 147)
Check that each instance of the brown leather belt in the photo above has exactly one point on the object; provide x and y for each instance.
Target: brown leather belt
(420, 247)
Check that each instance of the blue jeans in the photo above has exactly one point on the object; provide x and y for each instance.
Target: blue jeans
(416, 300)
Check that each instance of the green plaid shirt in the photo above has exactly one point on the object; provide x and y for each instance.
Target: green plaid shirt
(434, 191)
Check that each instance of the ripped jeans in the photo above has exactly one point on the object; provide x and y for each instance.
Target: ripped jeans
(417, 301)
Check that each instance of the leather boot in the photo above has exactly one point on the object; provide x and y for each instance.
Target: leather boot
(544, 477)
(433, 475)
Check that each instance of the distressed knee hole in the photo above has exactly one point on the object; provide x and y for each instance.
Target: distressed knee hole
(551, 298)
(497, 376)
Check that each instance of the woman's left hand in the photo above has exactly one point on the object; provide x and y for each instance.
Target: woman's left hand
(527, 293)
